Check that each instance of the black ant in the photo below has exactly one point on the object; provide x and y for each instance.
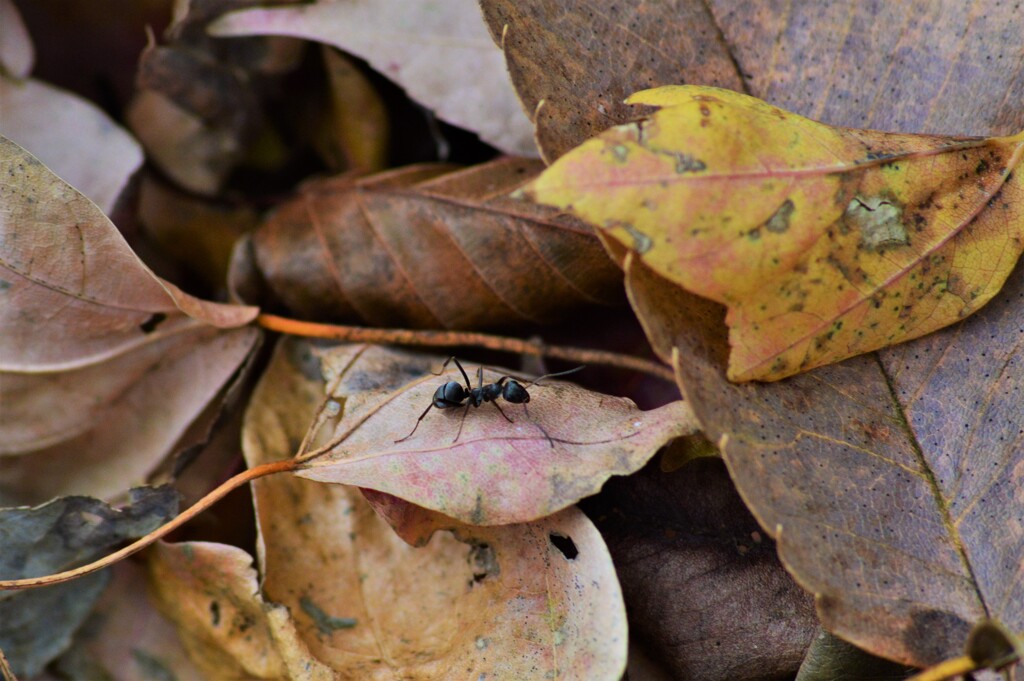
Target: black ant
(453, 394)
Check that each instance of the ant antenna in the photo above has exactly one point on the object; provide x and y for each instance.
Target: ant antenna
(537, 381)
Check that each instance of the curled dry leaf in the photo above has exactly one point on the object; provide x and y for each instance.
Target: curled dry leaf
(572, 62)
(428, 246)
(37, 625)
(823, 242)
(891, 483)
(521, 601)
(438, 51)
(102, 364)
(65, 131)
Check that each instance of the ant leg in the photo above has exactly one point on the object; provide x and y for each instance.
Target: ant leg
(462, 422)
(502, 412)
(417, 423)
(469, 386)
(526, 410)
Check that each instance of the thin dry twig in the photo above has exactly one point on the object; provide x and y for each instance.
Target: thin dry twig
(441, 339)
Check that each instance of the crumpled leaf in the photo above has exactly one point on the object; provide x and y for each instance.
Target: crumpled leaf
(37, 625)
(890, 482)
(823, 242)
(65, 131)
(562, 448)
(429, 246)
(125, 638)
(572, 62)
(536, 600)
(197, 108)
(438, 51)
(102, 364)
(734, 613)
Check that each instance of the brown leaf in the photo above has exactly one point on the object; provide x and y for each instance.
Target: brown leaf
(438, 52)
(573, 63)
(103, 364)
(734, 613)
(889, 482)
(519, 601)
(426, 246)
(356, 129)
(559, 450)
(864, 66)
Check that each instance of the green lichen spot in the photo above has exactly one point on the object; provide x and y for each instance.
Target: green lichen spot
(879, 220)
(620, 152)
(327, 624)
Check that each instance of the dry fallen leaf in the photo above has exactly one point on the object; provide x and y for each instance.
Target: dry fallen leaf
(102, 364)
(521, 601)
(823, 242)
(480, 469)
(890, 482)
(439, 52)
(432, 246)
(16, 51)
(573, 61)
(211, 592)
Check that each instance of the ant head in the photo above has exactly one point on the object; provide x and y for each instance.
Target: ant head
(451, 394)
(513, 391)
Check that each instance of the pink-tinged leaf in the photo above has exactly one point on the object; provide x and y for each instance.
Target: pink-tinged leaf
(559, 448)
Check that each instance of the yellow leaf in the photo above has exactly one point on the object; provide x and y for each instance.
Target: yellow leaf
(823, 242)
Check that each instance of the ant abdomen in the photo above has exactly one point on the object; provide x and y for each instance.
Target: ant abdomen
(449, 395)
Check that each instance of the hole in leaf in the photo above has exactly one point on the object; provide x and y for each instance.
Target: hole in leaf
(155, 319)
(564, 544)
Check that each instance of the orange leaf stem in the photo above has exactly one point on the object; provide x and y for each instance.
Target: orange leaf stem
(361, 334)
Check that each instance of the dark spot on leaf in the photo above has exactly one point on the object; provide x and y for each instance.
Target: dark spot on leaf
(934, 635)
(4, 285)
(484, 560)
(779, 222)
(155, 319)
(214, 613)
(327, 624)
(565, 545)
